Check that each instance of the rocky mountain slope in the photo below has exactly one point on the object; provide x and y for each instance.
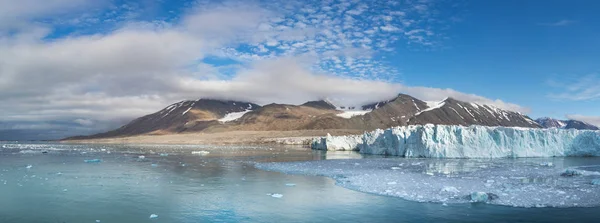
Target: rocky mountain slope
(207, 115)
(565, 124)
(179, 117)
(454, 112)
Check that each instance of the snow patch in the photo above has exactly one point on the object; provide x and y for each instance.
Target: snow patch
(350, 114)
(432, 106)
(233, 116)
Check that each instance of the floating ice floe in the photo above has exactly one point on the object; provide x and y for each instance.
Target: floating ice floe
(164, 154)
(450, 141)
(276, 195)
(202, 153)
(510, 182)
(450, 190)
(290, 185)
(596, 181)
(93, 161)
(29, 166)
(153, 216)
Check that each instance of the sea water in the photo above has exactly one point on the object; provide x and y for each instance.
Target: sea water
(45, 182)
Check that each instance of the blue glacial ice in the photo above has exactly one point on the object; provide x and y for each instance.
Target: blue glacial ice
(510, 182)
(448, 141)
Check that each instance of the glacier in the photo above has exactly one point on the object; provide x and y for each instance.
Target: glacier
(451, 141)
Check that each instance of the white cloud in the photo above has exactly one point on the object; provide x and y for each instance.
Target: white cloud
(581, 88)
(140, 67)
(564, 22)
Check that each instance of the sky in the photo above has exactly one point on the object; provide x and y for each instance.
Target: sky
(71, 67)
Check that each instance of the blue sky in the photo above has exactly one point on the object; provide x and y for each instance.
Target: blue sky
(83, 66)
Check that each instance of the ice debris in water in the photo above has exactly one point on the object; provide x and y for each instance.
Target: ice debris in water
(154, 165)
(93, 161)
(449, 189)
(164, 154)
(97, 221)
(511, 182)
(202, 153)
(547, 164)
(141, 157)
(153, 216)
(29, 166)
(570, 173)
(290, 185)
(479, 197)
(276, 195)
(596, 181)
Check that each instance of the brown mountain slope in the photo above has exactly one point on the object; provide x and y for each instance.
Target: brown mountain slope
(207, 116)
(179, 117)
(455, 112)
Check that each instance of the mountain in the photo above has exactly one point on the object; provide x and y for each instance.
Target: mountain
(206, 115)
(547, 122)
(551, 123)
(322, 104)
(179, 117)
(454, 112)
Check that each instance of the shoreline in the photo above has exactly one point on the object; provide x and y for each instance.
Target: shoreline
(295, 137)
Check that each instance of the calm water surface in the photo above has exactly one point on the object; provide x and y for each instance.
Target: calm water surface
(52, 183)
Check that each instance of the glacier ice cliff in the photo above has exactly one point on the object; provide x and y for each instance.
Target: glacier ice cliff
(449, 141)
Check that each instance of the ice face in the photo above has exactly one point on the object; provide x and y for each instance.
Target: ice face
(511, 182)
(447, 141)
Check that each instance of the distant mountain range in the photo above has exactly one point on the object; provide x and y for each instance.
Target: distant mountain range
(564, 124)
(208, 115)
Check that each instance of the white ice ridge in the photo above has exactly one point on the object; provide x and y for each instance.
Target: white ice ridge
(449, 141)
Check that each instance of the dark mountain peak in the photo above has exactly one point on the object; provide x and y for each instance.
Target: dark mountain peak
(321, 104)
(451, 111)
(401, 98)
(548, 122)
(575, 124)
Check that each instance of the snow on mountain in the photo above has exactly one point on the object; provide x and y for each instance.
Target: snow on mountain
(455, 112)
(547, 122)
(352, 113)
(235, 115)
(451, 141)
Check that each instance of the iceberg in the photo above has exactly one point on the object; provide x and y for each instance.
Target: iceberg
(337, 143)
(451, 141)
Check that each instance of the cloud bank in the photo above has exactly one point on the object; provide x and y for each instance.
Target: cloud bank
(80, 83)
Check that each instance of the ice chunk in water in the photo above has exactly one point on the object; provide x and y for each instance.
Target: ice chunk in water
(153, 216)
(202, 153)
(164, 154)
(570, 173)
(479, 197)
(28, 166)
(276, 195)
(93, 161)
(290, 185)
(448, 189)
(141, 157)
(596, 181)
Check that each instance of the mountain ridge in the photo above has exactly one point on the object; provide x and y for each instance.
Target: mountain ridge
(210, 115)
(548, 122)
